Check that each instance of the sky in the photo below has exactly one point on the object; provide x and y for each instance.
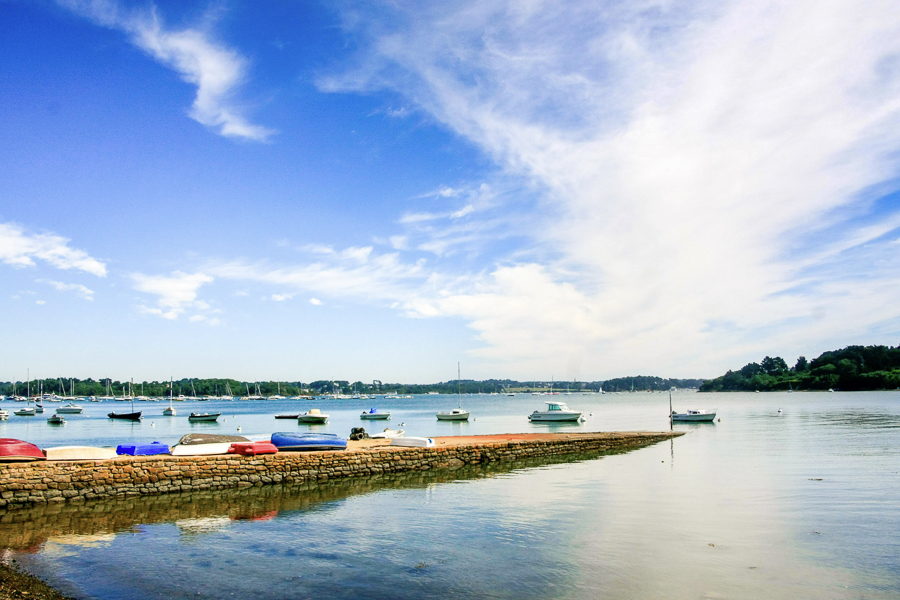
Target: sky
(364, 190)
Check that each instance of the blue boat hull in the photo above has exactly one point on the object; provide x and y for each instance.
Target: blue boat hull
(143, 449)
(299, 442)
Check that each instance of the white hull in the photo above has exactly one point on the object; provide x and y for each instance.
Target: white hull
(375, 416)
(695, 416)
(413, 442)
(454, 415)
(388, 434)
(79, 453)
(555, 416)
(201, 449)
(314, 419)
(70, 409)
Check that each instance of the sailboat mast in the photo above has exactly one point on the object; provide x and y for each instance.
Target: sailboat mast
(458, 388)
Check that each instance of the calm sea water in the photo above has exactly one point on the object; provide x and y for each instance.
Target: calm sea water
(804, 503)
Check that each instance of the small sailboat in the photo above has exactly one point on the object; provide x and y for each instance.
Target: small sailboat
(170, 411)
(457, 414)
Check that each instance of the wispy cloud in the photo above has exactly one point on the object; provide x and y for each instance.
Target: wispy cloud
(176, 293)
(354, 272)
(80, 290)
(214, 69)
(20, 248)
(694, 164)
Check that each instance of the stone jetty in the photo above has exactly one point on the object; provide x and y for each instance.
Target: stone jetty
(40, 482)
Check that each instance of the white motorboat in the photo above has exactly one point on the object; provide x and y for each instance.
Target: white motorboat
(70, 409)
(695, 416)
(413, 442)
(79, 453)
(24, 412)
(388, 434)
(457, 414)
(375, 415)
(4, 415)
(556, 412)
(313, 415)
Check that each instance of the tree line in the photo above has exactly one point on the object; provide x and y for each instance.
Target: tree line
(853, 368)
(71, 386)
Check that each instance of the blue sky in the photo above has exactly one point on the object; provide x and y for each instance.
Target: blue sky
(360, 190)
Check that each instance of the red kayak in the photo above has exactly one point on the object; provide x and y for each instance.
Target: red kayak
(16, 450)
(252, 448)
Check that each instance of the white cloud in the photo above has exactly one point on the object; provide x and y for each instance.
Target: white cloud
(353, 272)
(215, 70)
(176, 293)
(281, 297)
(315, 302)
(20, 248)
(697, 166)
(80, 290)
(40, 302)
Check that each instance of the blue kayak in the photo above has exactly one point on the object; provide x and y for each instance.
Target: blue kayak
(143, 449)
(294, 442)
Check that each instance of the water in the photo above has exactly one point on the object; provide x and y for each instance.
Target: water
(797, 504)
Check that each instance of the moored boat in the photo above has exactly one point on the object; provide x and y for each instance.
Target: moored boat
(70, 409)
(457, 414)
(288, 416)
(24, 412)
(4, 415)
(203, 417)
(375, 415)
(313, 415)
(695, 416)
(413, 442)
(295, 442)
(56, 420)
(556, 412)
(80, 453)
(132, 416)
(151, 449)
(12, 450)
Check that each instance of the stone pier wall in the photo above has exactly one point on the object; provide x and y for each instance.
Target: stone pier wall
(76, 481)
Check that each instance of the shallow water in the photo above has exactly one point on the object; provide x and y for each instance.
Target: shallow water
(797, 504)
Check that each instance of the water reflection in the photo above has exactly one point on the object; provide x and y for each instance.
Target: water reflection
(209, 511)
